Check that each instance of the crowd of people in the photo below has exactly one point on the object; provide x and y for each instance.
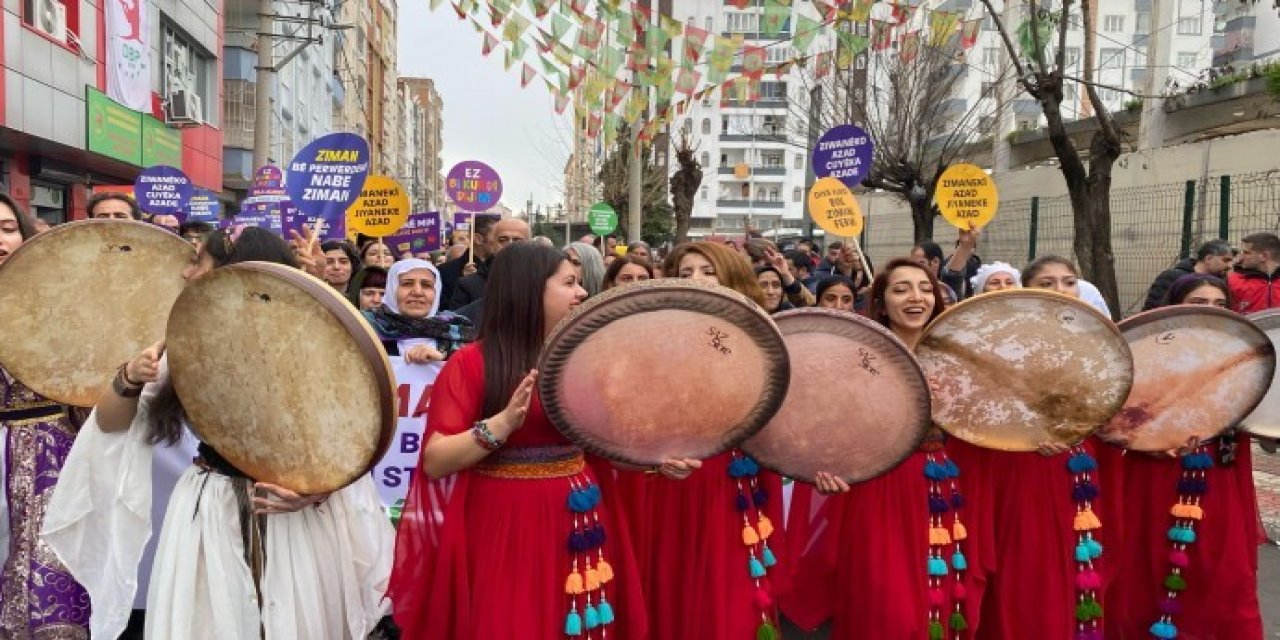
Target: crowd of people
(511, 531)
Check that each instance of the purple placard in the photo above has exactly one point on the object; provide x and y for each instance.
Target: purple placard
(420, 233)
(266, 215)
(293, 218)
(844, 153)
(462, 220)
(162, 190)
(204, 206)
(326, 176)
(268, 184)
(473, 186)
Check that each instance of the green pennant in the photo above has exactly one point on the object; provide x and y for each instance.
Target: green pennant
(666, 85)
(721, 60)
(560, 26)
(518, 49)
(774, 18)
(610, 61)
(515, 27)
(548, 67)
(655, 41)
(623, 29)
(806, 30)
(848, 47)
(500, 7)
(562, 54)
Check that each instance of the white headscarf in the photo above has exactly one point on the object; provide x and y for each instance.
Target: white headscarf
(979, 280)
(393, 282)
(1089, 293)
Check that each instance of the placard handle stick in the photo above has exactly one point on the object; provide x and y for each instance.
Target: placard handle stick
(862, 257)
(471, 240)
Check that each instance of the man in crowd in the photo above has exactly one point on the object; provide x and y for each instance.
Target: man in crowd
(113, 205)
(1255, 285)
(1213, 257)
(470, 289)
(456, 267)
(639, 249)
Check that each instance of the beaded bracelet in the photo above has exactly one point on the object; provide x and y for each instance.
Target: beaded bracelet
(484, 437)
(123, 386)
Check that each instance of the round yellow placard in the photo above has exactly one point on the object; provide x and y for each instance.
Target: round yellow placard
(834, 208)
(381, 209)
(966, 196)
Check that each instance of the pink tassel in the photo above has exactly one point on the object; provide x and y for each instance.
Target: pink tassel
(1088, 580)
(1178, 558)
(936, 598)
(957, 591)
(764, 602)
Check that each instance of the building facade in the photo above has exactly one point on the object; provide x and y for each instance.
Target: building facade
(365, 61)
(63, 137)
(423, 163)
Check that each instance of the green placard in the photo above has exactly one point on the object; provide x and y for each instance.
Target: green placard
(602, 218)
(161, 144)
(114, 130)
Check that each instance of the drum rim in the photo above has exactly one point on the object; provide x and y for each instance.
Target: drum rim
(551, 361)
(1031, 293)
(781, 319)
(367, 344)
(1268, 320)
(1140, 320)
(21, 374)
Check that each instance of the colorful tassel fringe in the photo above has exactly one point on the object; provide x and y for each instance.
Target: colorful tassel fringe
(750, 500)
(585, 582)
(944, 540)
(1084, 490)
(1186, 512)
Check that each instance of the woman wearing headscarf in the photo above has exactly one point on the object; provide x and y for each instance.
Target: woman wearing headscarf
(996, 276)
(408, 322)
(589, 264)
(39, 597)
(1189, 560)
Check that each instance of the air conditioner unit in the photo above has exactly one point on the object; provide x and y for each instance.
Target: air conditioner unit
(51, 18)
(185, 108)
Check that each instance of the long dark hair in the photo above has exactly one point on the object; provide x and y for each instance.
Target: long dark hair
(26, 226)
(252, 245)
(1182, 287)
(512, 330)
(876, 309)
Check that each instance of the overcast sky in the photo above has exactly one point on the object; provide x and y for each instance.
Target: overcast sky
(487, 116)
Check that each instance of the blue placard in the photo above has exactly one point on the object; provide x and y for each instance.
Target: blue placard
(844, 153)
(162, 190)
(327, 175)
(204, 206)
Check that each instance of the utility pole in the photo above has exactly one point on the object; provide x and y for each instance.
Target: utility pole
(264, 80)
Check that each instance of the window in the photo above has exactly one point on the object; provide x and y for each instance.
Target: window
(772, 161)
(724, 125)
(990, 56)
(1140, 56)
(706, 102)
(706, 126)
(1142, 23)
(1073, 56)
(773, 91)
(860, 63)
(1108, 95)
(186, 67)
(704, 192)
(1187, 61)
(1189, 26)
(1111, 59)
(799, 161)
(1069, 91)
(1113, 24)
(709, 25)
(778, 55)
(742, 22)
(705, 159)
(796, 194)
(724, 159)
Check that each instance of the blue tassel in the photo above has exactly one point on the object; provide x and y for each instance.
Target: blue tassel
(1081, 462)
(950, 467)
(760, 497)
(1084, 491)
(594, 535)
(937, 567)
(1164, 630)
(1182, 534)
(958, 562)
(937, 504)
(1197, 461)
(766, 554)
(1082, 553)
(957, 501)
(736, 468)
(591, 617)
(573, 624)
(578, 542)
(743, 503)
(594, 492)
(1095, 549)
(757, 569)
(578, 502)
(605, 611)
(934, 471)
(751, 465)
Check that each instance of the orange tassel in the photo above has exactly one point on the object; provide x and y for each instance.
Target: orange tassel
(573, 584)
(1087, 521)
(605, 570)
(749, 536)
(765, 526)
(592, 579)
(958, 532)
(1179, 510)
(1189, 511)
(939, 536)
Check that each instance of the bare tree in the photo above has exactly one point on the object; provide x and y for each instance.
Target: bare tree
(1088, 186)
(655, 212)
(685, 183)
(913, 108)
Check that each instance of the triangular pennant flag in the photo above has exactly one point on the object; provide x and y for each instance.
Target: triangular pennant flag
(560, 26)
(688, 80)
(672, 27)
(508, 59)
(611, 125)
(881, 35)
(969, 34)
(695, 40)
(544, 40)
(435, 4)
(806, 30)
(860, 10)
(822, 65)
(635, 106)
(518, 49)
(489, 43)
(740, 5)
(774, 17)
(942, 25)
(655, 42)
(641, 18)
(540, 8)
(589, 34)
(638, 57)
(548, 67)
(910, 46)
(498, 11)
(826, 10)
(527, 75)
(457, 8)
(753, 61)
(515, 27)
(579, 7)
(562, 101)
(610, 61)
(616, 95)
(849, 47)
(666, 85)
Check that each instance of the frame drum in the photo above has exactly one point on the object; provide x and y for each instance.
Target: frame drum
(279, 374)
(1012, 369)
(663, 369)
(1265, 419)
(1196, 371)
(84, 298)
(856, 424)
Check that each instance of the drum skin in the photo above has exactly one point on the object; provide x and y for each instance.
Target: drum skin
(1197, 371)
(84, 298)
(279, 374)
(1012, 369)
(1264, 420)
(663, 369)
(857, 421)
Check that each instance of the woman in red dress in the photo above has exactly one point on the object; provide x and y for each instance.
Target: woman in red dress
(710, 545)
(889, 558)
(1192, 514)
(506, 533)
(1044, 515)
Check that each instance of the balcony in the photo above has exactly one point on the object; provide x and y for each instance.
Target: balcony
(763, 103)
(758, 137)
(750, 204)
(756, 171)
